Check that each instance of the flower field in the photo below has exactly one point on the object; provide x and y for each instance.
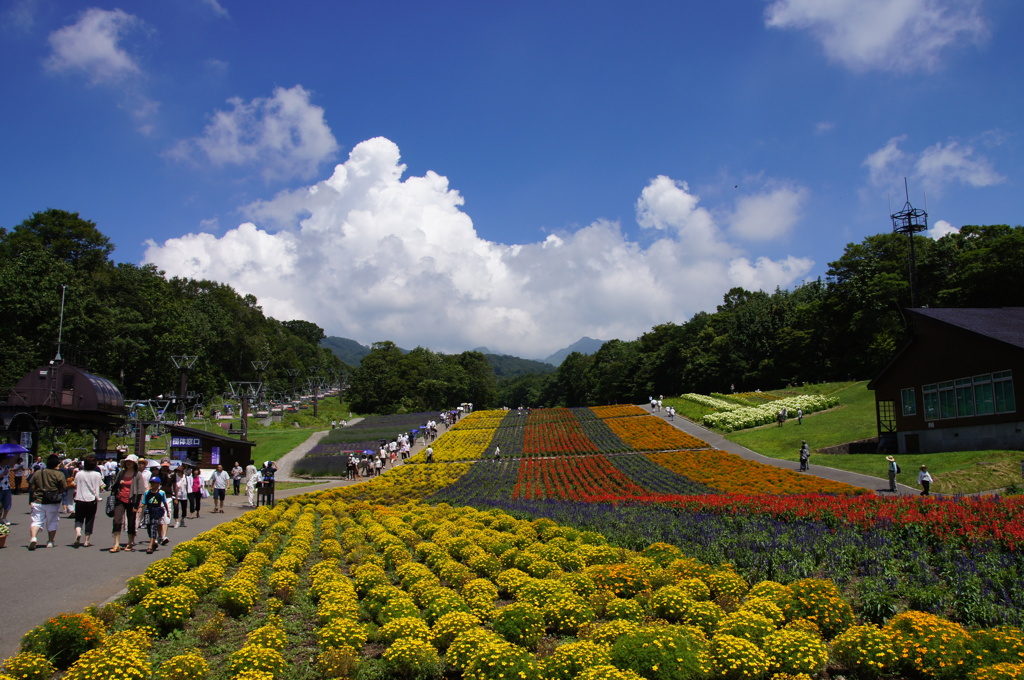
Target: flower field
(593, 549)
(558, 432)
(732, 417)
(325, 586)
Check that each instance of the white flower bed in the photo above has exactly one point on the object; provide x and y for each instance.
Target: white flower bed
(712, 402)
(752, 416)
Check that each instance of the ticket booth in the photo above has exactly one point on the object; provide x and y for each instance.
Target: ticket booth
(207, 449)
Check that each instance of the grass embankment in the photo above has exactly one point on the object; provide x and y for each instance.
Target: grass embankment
(953, 472)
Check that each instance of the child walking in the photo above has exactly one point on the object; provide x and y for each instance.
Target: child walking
(155, 505)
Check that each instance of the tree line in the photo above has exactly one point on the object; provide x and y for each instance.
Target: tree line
(128, 321)
(125, 322)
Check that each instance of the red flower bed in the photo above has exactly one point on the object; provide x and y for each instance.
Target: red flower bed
(555, 432)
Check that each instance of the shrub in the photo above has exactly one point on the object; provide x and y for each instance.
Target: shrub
(338, 662)
(342, 633)
(449, 626)
(212, 629)
(664, 653)
(998, 645)
(64, 638)
(704, 615)
(662, 553)
(238, 596)
(795, 651)
(398, 608)
(927, 644)
(405, 627)
(747, 625)
(412, 658)
(726, 585)
(270, 635)
(464, 646)
(283, 584)
(114, 661)
(520, 623)
(766, 608)
(771, 590)
(256, 658)
(185, 667)
(137, 588)
(625, 580)
(608, 633)
(608, 672)
(999, 671)
(30, 666)
(500, 660)
(867, 650)
(694, 588)
(630, 610)
(170, 606)
(567, 615)
(734, 658)
(818, 600)
(571, 659)
(670, 603)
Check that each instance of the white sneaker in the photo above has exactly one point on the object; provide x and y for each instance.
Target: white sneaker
(50, 545)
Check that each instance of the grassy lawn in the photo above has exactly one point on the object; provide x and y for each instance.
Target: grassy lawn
(272, 444)
(953, 472)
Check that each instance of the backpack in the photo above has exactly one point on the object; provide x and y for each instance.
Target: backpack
(898, 468)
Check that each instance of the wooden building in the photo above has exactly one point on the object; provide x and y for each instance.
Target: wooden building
(209, 449)
(951, 387)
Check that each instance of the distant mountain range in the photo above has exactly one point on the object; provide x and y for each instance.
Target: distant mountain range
(504, 365)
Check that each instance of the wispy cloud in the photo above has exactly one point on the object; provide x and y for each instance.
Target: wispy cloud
(936, 167)
(283, 135)
(888, 35)
(92, 46)
(370, 254)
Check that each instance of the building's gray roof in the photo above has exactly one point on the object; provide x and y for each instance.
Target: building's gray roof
(1005, 324)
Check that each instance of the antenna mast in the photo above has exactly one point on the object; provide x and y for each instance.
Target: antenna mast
(60, 327)
(910, 221)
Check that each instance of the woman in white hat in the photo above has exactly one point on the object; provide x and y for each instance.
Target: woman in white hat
(128, 488)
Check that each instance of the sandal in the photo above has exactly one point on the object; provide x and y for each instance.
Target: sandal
(116, 548)
(129, 548)
(149, 552)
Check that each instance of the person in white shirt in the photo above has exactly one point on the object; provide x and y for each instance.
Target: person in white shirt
(252, 479)
(88, 482)
(219, 481)
(925, 480)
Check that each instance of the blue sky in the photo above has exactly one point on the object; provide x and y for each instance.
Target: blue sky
(508, 175)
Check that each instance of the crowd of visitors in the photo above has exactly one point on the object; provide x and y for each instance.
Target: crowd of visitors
(136, 494)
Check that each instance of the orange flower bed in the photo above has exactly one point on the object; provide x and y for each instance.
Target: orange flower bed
(618, 411)
(648, 433)
(734, 474)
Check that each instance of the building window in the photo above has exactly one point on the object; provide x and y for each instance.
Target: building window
(983, 403)
(931, 401)
(964, 397)
(1002, 387)
(947, 400)
(909, 399)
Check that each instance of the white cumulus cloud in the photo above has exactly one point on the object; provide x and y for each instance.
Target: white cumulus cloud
(940, 229)
(284, 135)
(92, 45)
(896, 35)
(934, 168)
(373, 255)
(768, 215)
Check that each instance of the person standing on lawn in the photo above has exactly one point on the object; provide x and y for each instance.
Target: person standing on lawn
(46, 490)
(219, 482)
(925, 480)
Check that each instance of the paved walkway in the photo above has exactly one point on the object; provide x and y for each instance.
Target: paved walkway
(876, 484)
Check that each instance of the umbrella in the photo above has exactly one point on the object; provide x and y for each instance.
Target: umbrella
(12, 449)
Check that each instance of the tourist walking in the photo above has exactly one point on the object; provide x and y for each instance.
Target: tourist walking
(236, 477)
(925, 480)
(127, 488)
(219, 482)
(894, 469)
(182, 481)
(805, 457)
(195, 494)
(19, 474)
(88, 483)
(46, 490)
(155, 504)
(251, 483)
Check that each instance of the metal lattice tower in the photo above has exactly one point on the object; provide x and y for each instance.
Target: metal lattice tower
(910, 221)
